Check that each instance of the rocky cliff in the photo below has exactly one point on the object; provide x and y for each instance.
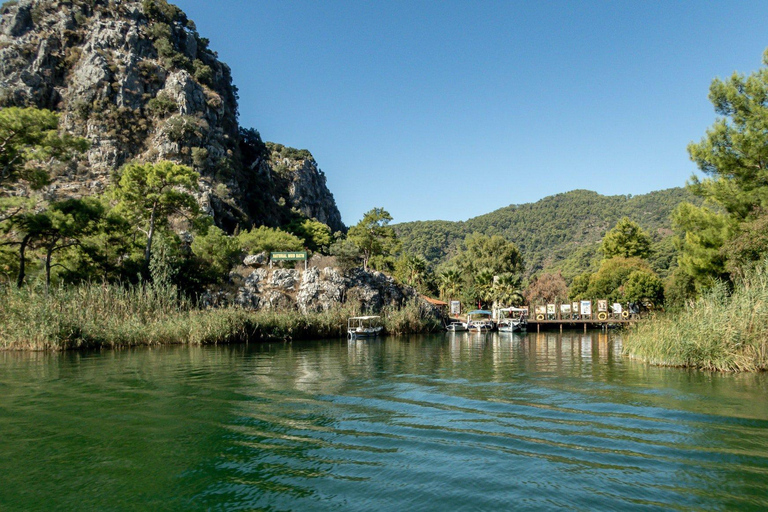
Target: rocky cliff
(137, 80)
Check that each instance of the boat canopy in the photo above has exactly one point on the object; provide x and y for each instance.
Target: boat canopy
(479, 312)
(514, 310)
(363, 317)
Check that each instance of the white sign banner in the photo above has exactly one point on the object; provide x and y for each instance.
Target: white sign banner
(586, 307)
(455, 307)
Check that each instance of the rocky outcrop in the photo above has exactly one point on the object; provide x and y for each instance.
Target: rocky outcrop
(135, 79)
(315, 289)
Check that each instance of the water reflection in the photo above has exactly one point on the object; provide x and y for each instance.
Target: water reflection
(449, 421)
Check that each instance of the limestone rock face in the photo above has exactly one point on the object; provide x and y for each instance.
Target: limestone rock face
(135, 79)
(319, 289)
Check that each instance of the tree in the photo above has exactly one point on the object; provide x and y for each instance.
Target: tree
(547, 289)
(266, 239)
(506, 291)
(373, 236)
(316, 235)
(733, 155)
(626, 240)
(701, 235)
(644, 286)
(64, 224)
(29, 143)
(492, 253)
(450, 282)
(734, 151)
(148, 194)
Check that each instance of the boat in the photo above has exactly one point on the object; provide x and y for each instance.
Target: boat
(364, 326)
(456, 326)
(514, 319)
(479, 320)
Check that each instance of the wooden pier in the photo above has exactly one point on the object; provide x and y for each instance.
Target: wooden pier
(575, 323)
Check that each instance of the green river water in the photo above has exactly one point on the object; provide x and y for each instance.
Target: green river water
(439, 422)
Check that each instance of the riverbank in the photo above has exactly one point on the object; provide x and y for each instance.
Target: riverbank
(722, 330)
(111, 316)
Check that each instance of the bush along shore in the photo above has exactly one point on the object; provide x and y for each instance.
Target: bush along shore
(722, 330)
(111, 316)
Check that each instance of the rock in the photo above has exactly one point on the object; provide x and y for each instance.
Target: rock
(284, 279)
(97, 63)
(256, 260)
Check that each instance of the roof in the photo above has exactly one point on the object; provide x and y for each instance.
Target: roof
(436, 302)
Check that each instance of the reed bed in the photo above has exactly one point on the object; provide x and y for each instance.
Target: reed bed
(105, 315)
(720, 331)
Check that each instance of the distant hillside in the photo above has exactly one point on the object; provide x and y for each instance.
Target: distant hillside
(551, 231)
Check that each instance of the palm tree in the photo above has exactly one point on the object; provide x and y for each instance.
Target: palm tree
(506, 292)
(449, 284)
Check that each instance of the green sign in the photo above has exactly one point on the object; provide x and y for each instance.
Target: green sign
(289, 256)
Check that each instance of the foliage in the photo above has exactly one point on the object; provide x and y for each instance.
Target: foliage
(316, 235)
(748, 245)
(610, 281)
(266, 239)
(560, 232)
(414, 271)
(219, 253)
(721, 330)
(29, 143)
(148, 194)
(373, 236)
(252, 147)
(346, 253)
(702, 235)
(644, 287)
(547, 289)
(733, 155)
(280, 151)
(626, 240)
(492, 253)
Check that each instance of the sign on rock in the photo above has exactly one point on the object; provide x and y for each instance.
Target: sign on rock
(289, 256)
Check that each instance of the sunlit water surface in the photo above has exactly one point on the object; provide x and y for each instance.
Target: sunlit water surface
(442, 422)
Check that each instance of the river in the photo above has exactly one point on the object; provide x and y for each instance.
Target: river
(440, 422)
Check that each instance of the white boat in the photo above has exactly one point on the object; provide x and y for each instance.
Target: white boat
(364, 326)
(480, 321)
(456, 326)
(512, 319)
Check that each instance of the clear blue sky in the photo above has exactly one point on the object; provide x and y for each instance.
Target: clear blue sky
(448, 110)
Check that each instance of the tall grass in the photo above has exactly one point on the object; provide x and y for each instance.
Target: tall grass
(719, 331)
(93, 315)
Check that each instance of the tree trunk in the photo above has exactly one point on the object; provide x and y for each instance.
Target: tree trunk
(48, 256)
(22, 260)
(150, 235)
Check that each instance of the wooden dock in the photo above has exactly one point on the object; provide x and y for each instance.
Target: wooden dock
(575, 323)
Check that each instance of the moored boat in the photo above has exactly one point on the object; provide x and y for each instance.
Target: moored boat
(512, 319)
(480, 321)
(456, 326)
(364, 326)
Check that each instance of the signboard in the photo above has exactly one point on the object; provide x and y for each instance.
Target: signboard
(289, 256)
(575, 308)
(550, 309)
(586, 308)
(616, 308)
(565, 309)
(455, 307)
(541, 310)
(602, 305)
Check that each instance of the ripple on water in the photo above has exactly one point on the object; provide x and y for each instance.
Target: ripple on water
(425, 423)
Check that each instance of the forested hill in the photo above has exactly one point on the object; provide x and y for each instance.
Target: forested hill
(550, 230)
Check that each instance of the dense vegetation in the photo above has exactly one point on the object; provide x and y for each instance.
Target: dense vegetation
(561, 231)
